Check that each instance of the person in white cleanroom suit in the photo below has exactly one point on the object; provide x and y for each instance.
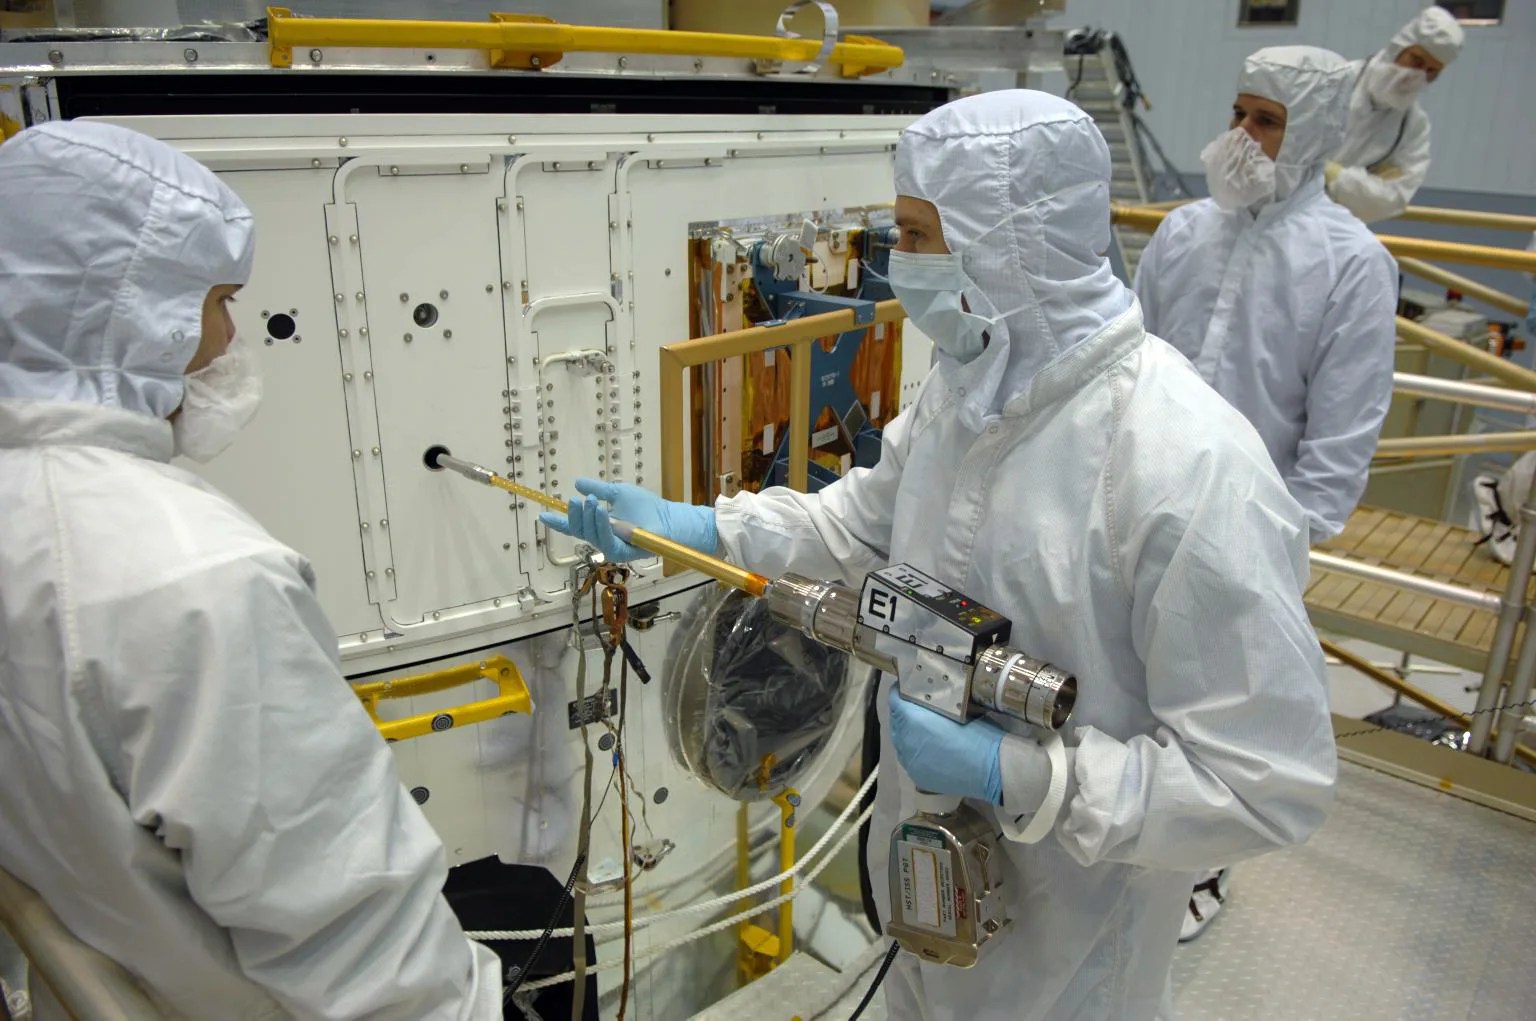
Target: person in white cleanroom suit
(1283, 300)
(1385, 153)
(189, 782)
(1072, 473)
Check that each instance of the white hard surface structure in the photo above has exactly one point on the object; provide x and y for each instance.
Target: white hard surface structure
(552, 236)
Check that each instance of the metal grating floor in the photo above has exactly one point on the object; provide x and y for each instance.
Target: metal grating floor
(1407, 904)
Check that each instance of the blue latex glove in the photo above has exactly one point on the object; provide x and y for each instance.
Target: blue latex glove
(945, 757)
(587, 519)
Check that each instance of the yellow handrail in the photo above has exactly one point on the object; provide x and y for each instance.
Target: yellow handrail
(1468, 288)
(530, 41)
(1483, 361)
(513, 697)
(1146, 219)
(1470, 218)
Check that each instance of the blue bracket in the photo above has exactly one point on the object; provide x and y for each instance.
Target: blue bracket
(831, 384)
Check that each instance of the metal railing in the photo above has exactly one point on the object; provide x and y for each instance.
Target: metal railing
(87, 983)
(1468, 287)
(1148, 217)
(1470, 218)
(1500, 692)
(799, 334)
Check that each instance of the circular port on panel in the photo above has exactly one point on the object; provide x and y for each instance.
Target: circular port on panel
(281, 326)
(425, 315)
(431, 456)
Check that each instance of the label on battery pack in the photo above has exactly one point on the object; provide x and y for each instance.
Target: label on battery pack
(927, 882)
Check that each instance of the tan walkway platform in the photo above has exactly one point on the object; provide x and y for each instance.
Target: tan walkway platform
(1386, 615)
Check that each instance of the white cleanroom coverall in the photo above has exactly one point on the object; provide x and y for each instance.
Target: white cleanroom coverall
(1385, 154)
(1081, 480)
(188, 780)
(1287, 311)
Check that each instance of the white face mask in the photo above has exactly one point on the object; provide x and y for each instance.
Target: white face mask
(1237, 171)
(219, 400)
(930, 288)
(1394, 86)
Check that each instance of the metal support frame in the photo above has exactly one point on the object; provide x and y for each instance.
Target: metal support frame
(831, 380)
(1512, 609)
(798, 335)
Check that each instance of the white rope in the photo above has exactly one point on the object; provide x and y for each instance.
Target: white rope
(723, 924)
(528, 935)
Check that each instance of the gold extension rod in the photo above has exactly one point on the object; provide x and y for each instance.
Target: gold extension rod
(438, 458)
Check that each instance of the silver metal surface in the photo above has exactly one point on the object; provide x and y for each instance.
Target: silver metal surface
(1511, 610)
(91, 986)
(1464, 393)
(1029, 689)
(1411, 582)
(470, 471)
(1512, 719)
(999, 12)
(1408, 903)
(1010, 48)
(966, 861)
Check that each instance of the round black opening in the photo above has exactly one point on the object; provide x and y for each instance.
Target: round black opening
(281, 326)
(425, 315)
(431, 456)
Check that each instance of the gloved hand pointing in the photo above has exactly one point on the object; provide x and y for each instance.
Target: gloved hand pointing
(587, 519)
(945, 757)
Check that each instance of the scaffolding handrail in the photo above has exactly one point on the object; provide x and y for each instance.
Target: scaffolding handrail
(1470, 218)
(1485, 362)
(1460, 594)
(1458, 391)
(1468, 287)
(1147, 218)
